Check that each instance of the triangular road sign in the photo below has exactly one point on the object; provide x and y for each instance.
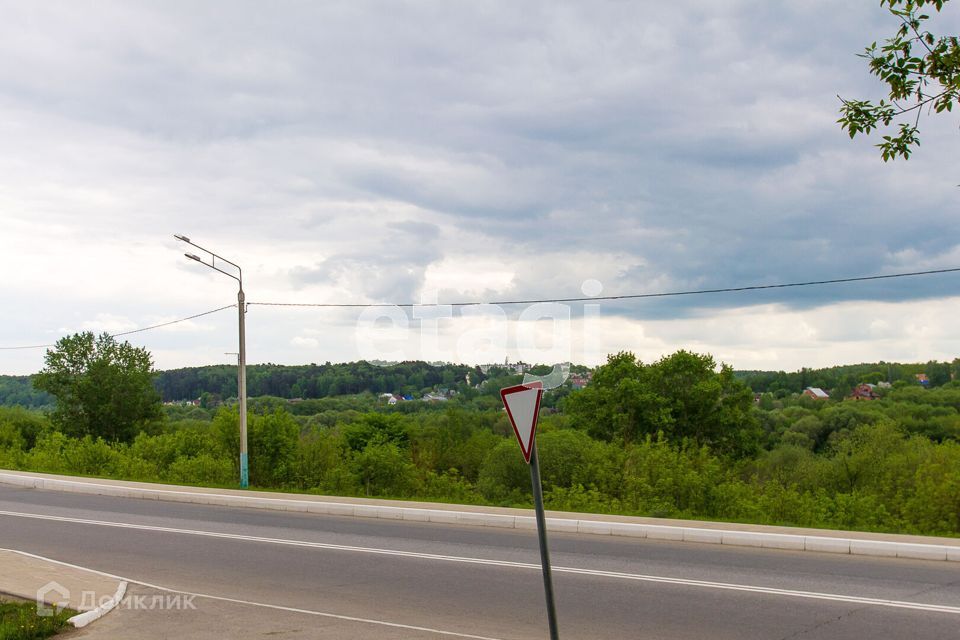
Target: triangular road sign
(523, 405)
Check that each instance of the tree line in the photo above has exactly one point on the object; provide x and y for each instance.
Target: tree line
(313, 380)
(840, 380)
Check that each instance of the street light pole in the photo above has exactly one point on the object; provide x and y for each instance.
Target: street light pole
(242, 377)
(241, 357)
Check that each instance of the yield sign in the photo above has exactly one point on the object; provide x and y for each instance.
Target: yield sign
(523, 404)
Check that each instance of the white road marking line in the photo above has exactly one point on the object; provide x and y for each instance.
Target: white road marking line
(265, 605)
(835, 597)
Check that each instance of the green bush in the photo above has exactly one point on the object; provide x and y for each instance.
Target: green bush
(29, 424)
(201, 469)
(87, 456)
(666, 479)
(577, 498)
(504, 477)
(384, 470)
(319, 454)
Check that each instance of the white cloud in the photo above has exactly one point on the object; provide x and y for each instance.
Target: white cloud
(308, 343)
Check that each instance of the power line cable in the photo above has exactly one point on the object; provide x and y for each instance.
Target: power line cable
(632, 296)
(167, 324)
(127, 333)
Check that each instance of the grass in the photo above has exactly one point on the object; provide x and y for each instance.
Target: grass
(19, 620)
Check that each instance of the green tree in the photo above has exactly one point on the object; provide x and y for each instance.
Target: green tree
(938, 373)
(681, 395)
(711, 407)
(103, 388)
(921, 71)
(619, 403)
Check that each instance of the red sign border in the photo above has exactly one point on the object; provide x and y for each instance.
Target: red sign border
(536, 414)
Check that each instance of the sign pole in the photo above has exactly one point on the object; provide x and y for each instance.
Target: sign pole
(544, 550)
(522, 403)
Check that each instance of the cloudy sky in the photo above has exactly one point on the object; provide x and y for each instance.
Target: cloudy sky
(363, 152)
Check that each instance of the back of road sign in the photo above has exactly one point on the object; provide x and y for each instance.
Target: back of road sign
(523, 405)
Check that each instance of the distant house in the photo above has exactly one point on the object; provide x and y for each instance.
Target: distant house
(389, 398)
(434, 397)
(885, 385)
(923, 379)
(816, 393)
(865, 392)
(578, 381)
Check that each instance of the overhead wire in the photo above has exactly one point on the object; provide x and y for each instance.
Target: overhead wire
(631, 296)
(167, 324)
(131, 331)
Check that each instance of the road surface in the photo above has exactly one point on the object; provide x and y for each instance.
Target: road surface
(332, 576)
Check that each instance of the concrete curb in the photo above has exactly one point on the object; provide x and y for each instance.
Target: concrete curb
(83, 619)
(762, 539)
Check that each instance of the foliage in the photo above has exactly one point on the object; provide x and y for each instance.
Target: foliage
(103, 387)
(272, 439)
(921, 71)
(681, 395)
(19, 391)
(314, 381)
(27, 424)
(384, 470)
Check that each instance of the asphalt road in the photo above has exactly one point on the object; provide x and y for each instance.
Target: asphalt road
(481, 582)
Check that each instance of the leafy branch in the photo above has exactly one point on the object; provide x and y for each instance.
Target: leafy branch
(929, 82)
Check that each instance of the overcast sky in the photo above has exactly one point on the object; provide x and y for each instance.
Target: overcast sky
(402, 151)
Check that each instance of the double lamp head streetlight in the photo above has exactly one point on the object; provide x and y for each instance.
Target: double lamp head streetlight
(242, 356)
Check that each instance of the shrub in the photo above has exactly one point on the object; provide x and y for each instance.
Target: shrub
(504, 477)
(202, 469)
(384, 470)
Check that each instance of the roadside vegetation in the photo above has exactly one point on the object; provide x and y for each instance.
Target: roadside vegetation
(677, 438)
(19, 620)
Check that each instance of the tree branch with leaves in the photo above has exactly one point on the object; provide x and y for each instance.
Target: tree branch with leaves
(922, 74)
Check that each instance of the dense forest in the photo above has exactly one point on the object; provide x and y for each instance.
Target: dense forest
(17, 391)
(219, 382)
(679, 437)
(312, 380)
